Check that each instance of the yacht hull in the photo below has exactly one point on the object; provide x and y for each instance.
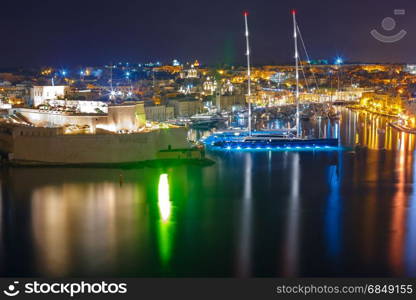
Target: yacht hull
(276, 143)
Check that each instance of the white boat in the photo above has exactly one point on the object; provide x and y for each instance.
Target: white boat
(208, 117)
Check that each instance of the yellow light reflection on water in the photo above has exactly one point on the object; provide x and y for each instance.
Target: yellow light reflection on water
(399, 208)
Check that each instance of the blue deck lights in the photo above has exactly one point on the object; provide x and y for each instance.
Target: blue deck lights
(277, 149)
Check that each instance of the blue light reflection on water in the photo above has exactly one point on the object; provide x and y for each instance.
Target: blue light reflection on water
(333, 211)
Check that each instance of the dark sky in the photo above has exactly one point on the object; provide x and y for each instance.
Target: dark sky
(93, 32)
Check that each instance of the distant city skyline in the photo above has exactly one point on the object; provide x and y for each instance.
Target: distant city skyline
(98, 32)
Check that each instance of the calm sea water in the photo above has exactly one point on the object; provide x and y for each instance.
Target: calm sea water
(342, 213)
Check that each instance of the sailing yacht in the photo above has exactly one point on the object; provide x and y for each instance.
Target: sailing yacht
(280, 139)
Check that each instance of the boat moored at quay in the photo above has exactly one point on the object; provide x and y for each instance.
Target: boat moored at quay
(289, 138)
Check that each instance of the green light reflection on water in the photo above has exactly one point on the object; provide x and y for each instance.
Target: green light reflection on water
(165, 206)
(165, 224)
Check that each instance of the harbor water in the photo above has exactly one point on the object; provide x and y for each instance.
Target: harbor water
(350, 212)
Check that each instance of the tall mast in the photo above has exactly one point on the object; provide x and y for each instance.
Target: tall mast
(248, 74)
(111, 77)
(295, 37)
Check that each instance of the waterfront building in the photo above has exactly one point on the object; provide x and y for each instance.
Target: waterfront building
(128, 117)
(227, 102)
(185, 108)
(383, 103)
(39, 94)
(159, 113)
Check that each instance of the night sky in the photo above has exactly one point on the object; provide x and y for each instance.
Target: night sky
(93, 32)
